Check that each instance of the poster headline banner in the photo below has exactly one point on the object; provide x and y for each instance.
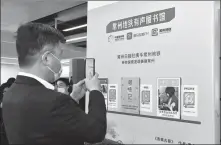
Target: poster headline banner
(153, 18)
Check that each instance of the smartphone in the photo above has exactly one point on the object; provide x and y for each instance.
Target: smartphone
(89, 67)
(78, 70)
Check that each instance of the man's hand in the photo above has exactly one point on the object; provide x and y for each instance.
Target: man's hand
(93, 83)
(78, 91)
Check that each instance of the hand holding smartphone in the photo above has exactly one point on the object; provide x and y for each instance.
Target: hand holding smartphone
(92, 81)
(89, 67)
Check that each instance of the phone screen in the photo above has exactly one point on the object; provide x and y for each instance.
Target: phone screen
(90, 67)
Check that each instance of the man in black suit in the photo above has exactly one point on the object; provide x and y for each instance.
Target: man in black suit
(33, 112)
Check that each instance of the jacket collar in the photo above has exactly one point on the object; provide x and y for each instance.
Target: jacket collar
(31, 79)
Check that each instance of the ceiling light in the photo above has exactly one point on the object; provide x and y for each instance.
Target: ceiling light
(8, 58)
(8, 42)
(9, 63)
(65, 61)
(75, 39)
(74, 28)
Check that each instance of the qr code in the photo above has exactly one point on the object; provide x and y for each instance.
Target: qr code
(155, 32)
(145, 97)
(129, 35)
(112, 95)
(189, 100)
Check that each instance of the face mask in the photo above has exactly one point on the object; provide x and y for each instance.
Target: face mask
(56, 74)
(61, 90)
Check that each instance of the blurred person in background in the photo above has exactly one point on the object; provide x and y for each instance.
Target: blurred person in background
(3, 88)
(33, 111)
(63, 86)
(10, 81)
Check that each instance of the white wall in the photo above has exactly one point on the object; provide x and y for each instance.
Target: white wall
(96, 4)
(8, 71)
(65, 71)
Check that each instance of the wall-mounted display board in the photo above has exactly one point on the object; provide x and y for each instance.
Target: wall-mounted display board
(171, 47)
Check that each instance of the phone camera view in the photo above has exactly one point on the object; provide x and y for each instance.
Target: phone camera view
(89, 67)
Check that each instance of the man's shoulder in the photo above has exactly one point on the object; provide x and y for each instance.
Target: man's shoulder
(44, 92)
(55, 96)
(58, 98)
(34, 93)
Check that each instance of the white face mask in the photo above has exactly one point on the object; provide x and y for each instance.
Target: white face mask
(61, 90)
(56, 74)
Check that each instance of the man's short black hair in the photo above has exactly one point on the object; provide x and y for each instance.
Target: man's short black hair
(32, 37)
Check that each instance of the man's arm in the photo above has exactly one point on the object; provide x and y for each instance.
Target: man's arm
(70, 119)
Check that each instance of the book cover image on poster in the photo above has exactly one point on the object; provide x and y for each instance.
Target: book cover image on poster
(168, 101)
(104, 89)
(130, 93)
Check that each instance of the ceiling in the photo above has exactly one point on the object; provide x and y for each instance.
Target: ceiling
(65, 21)
(16, 12)
(67, 13)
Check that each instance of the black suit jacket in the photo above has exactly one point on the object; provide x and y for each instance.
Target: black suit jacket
(33, 114)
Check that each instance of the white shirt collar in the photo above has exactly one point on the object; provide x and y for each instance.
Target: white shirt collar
(43, 82)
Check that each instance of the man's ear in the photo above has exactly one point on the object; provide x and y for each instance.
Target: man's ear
(45, 58)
